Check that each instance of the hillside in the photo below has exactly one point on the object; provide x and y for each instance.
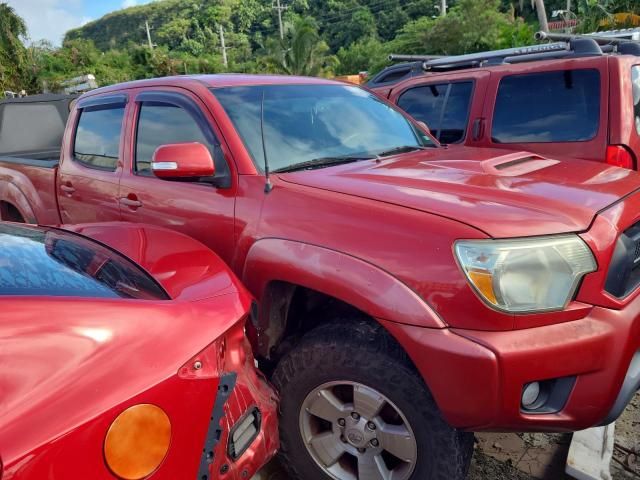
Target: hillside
(118, 28)
(341, 22)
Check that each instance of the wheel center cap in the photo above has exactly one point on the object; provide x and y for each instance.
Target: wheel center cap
(355, 438)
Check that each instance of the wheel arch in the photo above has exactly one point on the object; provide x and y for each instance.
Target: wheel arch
(12, 202)
(277, 270)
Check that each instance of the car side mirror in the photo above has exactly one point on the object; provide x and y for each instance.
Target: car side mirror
(182, 161)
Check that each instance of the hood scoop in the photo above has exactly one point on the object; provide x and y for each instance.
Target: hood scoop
(516, 164)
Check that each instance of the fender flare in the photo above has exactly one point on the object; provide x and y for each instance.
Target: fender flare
(11, 194)
(345, 277)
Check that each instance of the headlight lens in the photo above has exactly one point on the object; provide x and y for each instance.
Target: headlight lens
(526, 275)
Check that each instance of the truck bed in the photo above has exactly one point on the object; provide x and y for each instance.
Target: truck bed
(48, 159)
(30, 183)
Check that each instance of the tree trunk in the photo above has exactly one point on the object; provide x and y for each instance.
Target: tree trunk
(542, 15)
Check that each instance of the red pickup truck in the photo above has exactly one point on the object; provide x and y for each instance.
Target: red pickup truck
(408, 293)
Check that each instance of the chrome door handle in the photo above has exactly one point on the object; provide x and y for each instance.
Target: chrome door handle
(131, 203)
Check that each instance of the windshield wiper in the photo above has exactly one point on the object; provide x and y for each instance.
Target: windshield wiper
(402, 149)
(323, 162)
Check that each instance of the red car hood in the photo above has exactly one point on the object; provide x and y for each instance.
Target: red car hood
(504, 195)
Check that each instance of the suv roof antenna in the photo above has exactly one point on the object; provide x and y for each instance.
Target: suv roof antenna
(268, 186)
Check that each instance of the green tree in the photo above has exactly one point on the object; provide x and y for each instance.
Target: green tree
(301, 52)
(366, 55)
(12, 51)
(349, 23)
(470, 26)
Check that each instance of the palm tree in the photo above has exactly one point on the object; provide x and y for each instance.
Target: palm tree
(300, 52)
(12, 50)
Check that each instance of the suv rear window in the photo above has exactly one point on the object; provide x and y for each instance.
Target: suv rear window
(444, 108)
(635, 81)
(560, 106)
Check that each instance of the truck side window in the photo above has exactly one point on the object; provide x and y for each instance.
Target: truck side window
(162, 124)
(444, 108)
(97, 142)
(635, 81)
(560, 106)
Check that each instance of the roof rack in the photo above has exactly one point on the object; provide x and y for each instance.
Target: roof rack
(414, 58)
(613, 37)
(563, 46)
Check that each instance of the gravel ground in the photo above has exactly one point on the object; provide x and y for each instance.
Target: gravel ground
(626, 465)
(525, 456)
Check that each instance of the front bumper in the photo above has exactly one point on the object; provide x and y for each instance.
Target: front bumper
(477, 377)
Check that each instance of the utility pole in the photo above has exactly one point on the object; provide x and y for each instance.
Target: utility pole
(280, 8)
(224, 48)
(443, 8)
(542, 15)
(146, 24)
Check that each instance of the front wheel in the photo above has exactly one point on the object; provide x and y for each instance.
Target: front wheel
(353, 408)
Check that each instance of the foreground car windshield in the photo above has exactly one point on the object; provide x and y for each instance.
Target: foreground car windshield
(303, 123)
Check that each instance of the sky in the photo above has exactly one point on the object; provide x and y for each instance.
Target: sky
(50, 19)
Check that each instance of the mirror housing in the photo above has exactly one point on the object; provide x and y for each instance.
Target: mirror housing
(182, 161)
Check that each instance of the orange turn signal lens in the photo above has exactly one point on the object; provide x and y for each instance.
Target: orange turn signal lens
(483, 281)
(137, 441)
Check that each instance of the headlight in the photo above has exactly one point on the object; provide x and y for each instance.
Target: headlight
(526, 275)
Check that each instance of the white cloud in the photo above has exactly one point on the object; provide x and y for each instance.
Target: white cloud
(49, 19)
(129, 3)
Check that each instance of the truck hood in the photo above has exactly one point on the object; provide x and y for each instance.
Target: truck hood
(513, 195)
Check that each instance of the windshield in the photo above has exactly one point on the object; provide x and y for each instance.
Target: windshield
(303, 123)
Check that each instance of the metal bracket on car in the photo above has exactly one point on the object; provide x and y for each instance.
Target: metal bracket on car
(214, 433)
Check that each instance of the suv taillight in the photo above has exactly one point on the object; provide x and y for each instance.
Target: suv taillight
(620, 156)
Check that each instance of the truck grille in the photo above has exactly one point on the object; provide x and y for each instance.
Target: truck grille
(624, 271)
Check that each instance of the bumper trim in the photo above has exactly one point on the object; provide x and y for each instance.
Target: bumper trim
(630, 386)
(214, 433)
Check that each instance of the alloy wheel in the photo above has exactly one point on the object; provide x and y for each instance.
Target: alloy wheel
(353, 432)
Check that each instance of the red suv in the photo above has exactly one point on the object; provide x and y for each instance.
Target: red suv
(577, 98)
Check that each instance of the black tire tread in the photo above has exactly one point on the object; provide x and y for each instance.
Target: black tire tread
(367, 345)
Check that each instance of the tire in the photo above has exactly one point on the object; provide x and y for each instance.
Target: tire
(360, 359)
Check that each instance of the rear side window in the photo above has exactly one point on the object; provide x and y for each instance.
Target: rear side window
(635, 81)
(97, 142)
(444, 108)
(562, 106)
(162, 124)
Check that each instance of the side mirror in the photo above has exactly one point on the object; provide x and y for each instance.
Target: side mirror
(182, 160)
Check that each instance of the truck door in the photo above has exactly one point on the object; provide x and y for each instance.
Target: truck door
(451, 105)
(203, 210)
(89, 175)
